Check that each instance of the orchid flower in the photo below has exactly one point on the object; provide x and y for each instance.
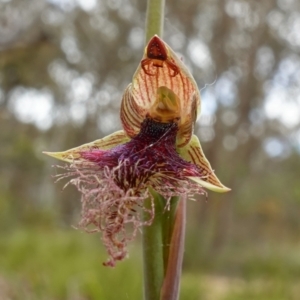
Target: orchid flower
(155, 152)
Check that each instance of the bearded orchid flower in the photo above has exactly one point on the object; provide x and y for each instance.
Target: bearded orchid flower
(155, 151)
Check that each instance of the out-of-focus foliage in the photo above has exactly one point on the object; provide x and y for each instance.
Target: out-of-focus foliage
(58, 264)
(63, 68)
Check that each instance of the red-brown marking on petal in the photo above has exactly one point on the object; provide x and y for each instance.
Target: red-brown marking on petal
(191, 155)
(184, 83)
(156, 49)
(132, 113)
(139, 82)
(172, 82)
(172, 66)
(158, 56)
(145, 81)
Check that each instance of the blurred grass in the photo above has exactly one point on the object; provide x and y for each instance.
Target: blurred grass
(39, 264)
(54, 264)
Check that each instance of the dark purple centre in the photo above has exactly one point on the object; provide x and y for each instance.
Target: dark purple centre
(151, 152)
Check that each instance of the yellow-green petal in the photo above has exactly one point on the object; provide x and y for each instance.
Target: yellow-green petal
(106, 143)
(193, 152)
(209, 185)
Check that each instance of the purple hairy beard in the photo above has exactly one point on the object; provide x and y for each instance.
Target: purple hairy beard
(114, 183)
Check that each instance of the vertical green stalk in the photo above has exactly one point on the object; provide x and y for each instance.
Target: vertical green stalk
(170, 288)
(154, 18)
(153, 250)
(163, 241)
(163, 248)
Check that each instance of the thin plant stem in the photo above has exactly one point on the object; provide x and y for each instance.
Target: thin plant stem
(167, 228)
(170, 288)
(153, 249)
(154, 18)
(163, 240)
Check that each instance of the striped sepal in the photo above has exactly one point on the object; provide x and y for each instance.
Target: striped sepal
(192, 152)
(108, 142)
(131, 114)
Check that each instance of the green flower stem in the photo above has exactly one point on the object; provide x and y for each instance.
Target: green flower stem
(163, 247)
(163, 243)
(163, 240)
(155, 18)
(168, 219)
(154, 253)
(171, 284)
(153, 258)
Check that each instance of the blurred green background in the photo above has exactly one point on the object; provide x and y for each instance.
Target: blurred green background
(63, 67)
